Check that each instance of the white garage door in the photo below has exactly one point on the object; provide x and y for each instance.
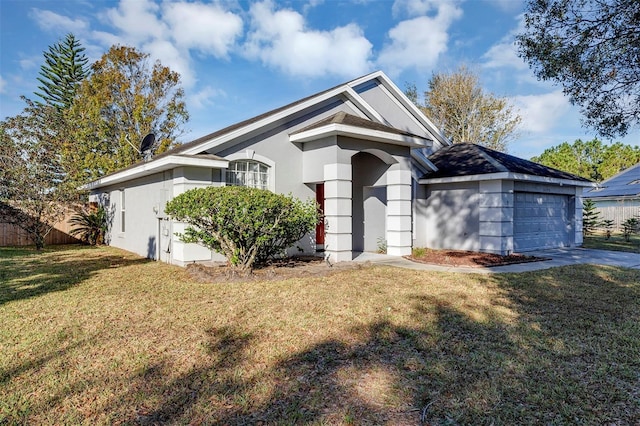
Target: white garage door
(540, 221)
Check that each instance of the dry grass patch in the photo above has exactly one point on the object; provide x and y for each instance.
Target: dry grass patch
(98, 336)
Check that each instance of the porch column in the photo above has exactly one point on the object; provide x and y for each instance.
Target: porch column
(577, 217)
(337, 212)
(399, 212)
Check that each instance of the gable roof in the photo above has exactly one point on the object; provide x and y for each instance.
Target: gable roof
(349, 125)
(624, 184)
(460, 161)
(345, 91)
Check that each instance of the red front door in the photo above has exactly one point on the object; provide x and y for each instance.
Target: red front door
(320, 225)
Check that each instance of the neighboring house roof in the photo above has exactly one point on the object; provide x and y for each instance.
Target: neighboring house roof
(624, 184)
(461, 161)
(345, 91)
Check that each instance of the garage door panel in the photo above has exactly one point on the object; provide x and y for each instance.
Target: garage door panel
(540, 221)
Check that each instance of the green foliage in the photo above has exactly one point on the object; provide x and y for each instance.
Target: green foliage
(91, 226)
(465, 112)
(247, 225)
(125, 98)
(590, 217)
(591, 159)
(591, 48)
(33, 190)
(64, 68)
(607, 224)
(629, 227)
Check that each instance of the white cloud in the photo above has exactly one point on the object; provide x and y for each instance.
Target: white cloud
(281, 40)
(137, 20)
(205, 97)
(208, 28)
(541, 113)
(504, 54)
(3, 84)
(418, 42)
(48, 20)
(413, 8)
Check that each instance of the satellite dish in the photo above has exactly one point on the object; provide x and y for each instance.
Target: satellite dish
(146, 145)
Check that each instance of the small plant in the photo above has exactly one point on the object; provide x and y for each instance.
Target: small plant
(630, 226)
(382, 245)
(607, 224)
(91, 226)
(419, 252)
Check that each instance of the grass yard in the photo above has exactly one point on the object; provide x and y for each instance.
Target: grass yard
(615, 242)
(99, 336)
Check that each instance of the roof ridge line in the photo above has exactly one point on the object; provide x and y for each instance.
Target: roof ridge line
(491, 159)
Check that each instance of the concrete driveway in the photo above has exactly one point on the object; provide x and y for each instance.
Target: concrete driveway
(557, 257)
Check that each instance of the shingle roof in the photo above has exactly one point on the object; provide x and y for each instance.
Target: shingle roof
(624, 184)
(352, 120)
(466, 159)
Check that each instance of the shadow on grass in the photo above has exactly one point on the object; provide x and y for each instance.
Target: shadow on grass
(28, 273)
(555, 348)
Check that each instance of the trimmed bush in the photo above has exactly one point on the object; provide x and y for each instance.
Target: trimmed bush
(246, 225)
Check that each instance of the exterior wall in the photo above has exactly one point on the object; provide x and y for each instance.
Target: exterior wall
(383, 102)
(496, 216)
(449, 216)
(142, 196)
(618, 210)
(184, 179)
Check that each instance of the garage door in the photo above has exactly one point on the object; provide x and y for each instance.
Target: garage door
(540, 221)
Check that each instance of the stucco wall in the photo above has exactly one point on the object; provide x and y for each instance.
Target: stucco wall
(141, 224)
(450, 216)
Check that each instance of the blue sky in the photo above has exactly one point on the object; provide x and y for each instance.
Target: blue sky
(238, 59)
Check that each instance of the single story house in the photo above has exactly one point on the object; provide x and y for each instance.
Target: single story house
(382, 172)
(618, 198)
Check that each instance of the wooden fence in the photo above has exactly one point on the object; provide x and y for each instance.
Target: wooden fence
(11, 235)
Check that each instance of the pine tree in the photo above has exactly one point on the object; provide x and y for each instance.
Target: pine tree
(590, 217)
(64, 68)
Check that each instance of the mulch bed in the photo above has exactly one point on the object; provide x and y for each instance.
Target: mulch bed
(471, 259)
(313, 266)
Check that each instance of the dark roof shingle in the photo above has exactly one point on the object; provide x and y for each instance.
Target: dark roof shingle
(466, 159)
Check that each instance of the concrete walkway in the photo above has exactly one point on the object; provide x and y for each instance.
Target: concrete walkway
(558, 257)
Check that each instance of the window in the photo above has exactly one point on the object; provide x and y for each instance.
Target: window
(248, 173)
(122, 210)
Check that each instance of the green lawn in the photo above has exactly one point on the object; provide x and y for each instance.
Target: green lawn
(99, 336)
(615, 242)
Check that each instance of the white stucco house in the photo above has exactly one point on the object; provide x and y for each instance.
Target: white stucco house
(380, 169)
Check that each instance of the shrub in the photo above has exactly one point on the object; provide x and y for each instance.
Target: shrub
(247, 225)
(91, 226)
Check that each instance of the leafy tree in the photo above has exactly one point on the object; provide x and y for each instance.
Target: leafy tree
(465, 112)
(33, 194)
(591, 48)
(590, 159)
(590, 217)
(64, 68)
(124, 99)
(247, 225)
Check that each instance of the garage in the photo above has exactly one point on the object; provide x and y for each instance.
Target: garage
(541, 221)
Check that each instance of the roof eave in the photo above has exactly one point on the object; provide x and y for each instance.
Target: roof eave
(157, 166)
(509, 176)
(335, 129)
